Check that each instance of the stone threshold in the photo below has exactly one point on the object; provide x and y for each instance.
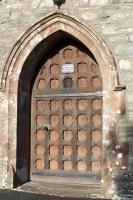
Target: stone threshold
(6, 194)
(62, 191)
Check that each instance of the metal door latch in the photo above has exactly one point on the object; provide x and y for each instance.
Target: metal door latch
(46, 128)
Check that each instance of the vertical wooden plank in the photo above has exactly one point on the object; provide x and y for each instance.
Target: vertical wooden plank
(46, 142)
(75, 136)
(60, 141)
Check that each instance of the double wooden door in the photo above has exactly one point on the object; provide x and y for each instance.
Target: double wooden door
(66, 121)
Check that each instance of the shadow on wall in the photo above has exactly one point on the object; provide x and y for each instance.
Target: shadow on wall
(124, 179)
(13, 195)
(16, 180)
(124, 182)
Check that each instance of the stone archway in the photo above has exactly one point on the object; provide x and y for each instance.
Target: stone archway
(14, 68)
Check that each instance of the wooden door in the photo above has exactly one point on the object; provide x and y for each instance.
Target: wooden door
(66, 132)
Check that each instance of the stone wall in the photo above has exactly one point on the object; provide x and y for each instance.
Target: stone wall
(111, 20)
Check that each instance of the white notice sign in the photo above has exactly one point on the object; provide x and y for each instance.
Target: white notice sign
(67, 68)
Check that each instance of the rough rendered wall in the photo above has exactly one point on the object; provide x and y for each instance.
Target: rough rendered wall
(112, 20)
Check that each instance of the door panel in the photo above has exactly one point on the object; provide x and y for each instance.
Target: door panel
(67, 115)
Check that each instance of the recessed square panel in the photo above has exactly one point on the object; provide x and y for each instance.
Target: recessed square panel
(41, 84)
(96, 166)
(97, 104)
(42, 106)
(68, 165)
(82, 104)
(39, 164)
(82, 67)
(54, 135)
(81, 54)
(96, 136)
(68, 105)
(96, 83)
(54, 121)
(96, 151)
(67, 53)
(68, 120)
(82, 150)
(82, 135)
(40, 134)
(54, 69)
(40, 149)
(53, 164)
(67, 150)
(54, 150)
(82, 82)
(82, 166)
(67, 135)
(54, 105)
(82, 120)
(41, 120)
(96, 120)
(94, 68)
(54, 84)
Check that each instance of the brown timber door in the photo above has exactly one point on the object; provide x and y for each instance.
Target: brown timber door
(66, 129)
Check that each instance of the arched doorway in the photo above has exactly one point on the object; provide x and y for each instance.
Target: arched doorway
(66, 133)
(42, 42)
(63, 124)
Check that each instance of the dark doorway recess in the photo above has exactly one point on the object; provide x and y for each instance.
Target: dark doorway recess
(34, 62)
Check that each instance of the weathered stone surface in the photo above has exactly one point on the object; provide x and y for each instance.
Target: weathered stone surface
(126, 64)
(112, 22)
(124, 48)
(126, 188)
(131, 37)
(89, 15)
(99, 2)
(109, 29)
(114, 40)
(20, 195)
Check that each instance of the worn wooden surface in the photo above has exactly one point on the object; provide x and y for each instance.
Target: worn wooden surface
(68, 145)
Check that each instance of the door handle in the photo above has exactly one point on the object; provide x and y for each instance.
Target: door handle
(46, 128)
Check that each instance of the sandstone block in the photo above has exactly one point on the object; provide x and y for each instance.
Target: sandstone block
(99, 2)
(124, 48)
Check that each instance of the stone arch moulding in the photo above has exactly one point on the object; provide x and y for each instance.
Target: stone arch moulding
(51, 24)
(24, 47)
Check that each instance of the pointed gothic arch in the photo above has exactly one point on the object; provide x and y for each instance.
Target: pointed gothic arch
(30, 45)
(51, 24)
